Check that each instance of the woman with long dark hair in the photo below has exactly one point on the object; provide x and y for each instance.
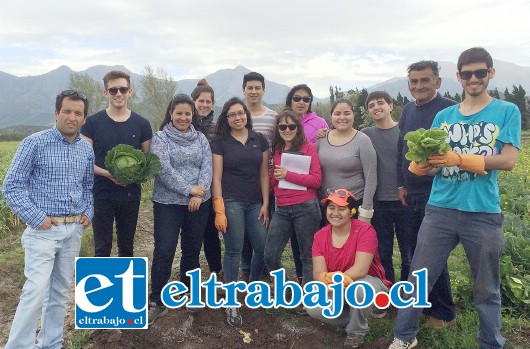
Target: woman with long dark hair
(297, 210)
(241, 184)
(181, 197)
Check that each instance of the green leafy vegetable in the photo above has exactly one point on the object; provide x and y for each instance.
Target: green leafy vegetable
(129, 165)
(423, 143)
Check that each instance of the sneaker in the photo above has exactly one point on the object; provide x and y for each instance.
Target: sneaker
(438, 324)
(155, 311)
(353, 341)
(233, 317)
(378, 313)
(399, 344)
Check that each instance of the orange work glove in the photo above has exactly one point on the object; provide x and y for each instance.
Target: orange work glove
(220, 216)
(468, 162)
(327, 278)
(419, 170)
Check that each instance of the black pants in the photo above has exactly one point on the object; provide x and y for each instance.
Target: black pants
(212, 244)
(126, 215)
(168, 222)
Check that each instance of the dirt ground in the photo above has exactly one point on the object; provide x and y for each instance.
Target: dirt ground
(208, 328)
(205, 329)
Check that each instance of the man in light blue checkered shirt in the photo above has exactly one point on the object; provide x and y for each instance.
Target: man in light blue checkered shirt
(49, 186)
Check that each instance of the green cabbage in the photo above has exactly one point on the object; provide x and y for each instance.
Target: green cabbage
(423, 143)
(129, 165)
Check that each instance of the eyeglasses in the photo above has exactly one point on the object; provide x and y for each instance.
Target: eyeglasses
(68, 93)
(479, 73)
(240, 113)
(114, 90)
(297, 98)
(284, 127)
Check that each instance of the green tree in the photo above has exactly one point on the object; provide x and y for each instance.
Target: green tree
(518, 97)
(331, 95)
(92, 89)
(399, 100)
(405, 101)
(157, 89)
(495, 93)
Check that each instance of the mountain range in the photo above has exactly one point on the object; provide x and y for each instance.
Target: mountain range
(29, 100)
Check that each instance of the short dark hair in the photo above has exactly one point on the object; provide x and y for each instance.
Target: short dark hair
(299, 139)
(289, 99)
(222, 129)
(253, 76)
(116, 74)
(74, 96)
(375, 95)
(474, 55)
(202, 86)
(422, 65)
(180, 98)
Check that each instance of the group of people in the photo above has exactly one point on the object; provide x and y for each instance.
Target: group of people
(232, 177)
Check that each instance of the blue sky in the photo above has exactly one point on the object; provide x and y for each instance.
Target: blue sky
(345, 43)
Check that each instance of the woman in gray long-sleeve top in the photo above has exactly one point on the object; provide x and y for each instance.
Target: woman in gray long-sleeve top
(348, 159)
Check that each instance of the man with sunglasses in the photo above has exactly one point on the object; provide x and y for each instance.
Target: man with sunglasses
(113, 201)
(49, 186)
(413, 191)
(464, 205)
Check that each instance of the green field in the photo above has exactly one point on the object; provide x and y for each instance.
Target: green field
(515, 267)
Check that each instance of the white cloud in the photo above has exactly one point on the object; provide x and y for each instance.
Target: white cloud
(348, 43)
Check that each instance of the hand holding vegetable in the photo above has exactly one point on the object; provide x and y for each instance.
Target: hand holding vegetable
(468, 162)
(129, 165)
(420, 169)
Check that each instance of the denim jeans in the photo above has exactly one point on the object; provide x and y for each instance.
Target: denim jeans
(390, 217)
(242, 219)
(246, 254)
(353, 320)
(441, 297)
(303, 220)
(169, 222)
(126, 215)
(481, 235)
(49, 260)
(297, 259)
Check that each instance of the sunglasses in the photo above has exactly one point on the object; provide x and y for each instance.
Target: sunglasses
(479, 73)
(114, 90)
(297, 98)
(284, 127)
(341, 193)
(74, 93)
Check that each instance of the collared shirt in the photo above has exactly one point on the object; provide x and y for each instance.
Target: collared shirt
(50, 177)
(241, 166)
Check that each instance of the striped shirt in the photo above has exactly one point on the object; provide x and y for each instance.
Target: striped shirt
(50, 177)
(266, 125)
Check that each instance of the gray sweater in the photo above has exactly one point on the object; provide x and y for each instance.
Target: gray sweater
(385, 145)
(352, 166)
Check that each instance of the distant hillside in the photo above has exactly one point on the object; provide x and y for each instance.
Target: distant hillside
(29, 100)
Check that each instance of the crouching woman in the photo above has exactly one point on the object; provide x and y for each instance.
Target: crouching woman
(348, 246)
